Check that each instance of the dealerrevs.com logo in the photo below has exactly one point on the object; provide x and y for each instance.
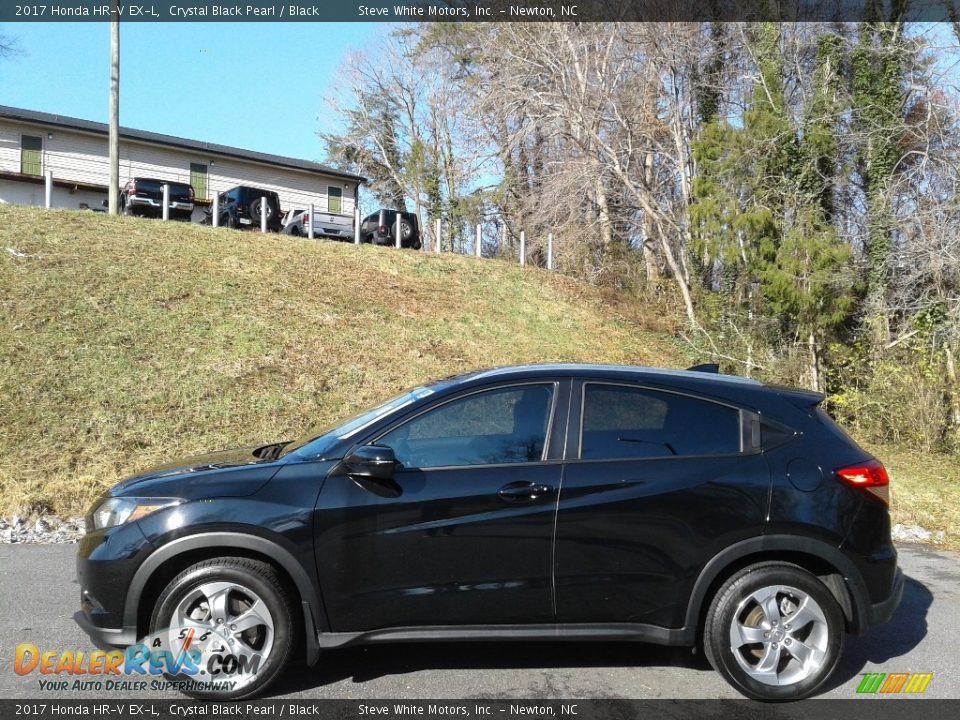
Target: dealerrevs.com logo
(894, 683)
(182, 658)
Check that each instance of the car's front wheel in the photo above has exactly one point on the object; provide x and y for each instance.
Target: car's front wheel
(774, 631)
(236, 616)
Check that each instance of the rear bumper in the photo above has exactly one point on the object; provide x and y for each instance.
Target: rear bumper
(882, 611)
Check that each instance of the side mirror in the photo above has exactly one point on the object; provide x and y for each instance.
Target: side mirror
(376, 462)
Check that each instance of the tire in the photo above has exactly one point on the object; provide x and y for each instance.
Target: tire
(744, 611)
(256, 208)
(406, 231)
(416, 244)
(237, 584)
(229, 221)
(295, 231)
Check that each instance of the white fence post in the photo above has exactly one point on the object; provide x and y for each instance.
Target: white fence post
(264, 208)
(48, 189)
(310, 226)
(523, 248)
(398, 229)
(215, 210)
(165, 213)
(479, 247)
(550, 251)
(437, 237)
(356, 226)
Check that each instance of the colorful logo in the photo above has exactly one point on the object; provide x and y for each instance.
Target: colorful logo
(893, 683)
(191, 658)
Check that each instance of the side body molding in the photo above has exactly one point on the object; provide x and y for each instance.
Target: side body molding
(313, 613)
(857, 605)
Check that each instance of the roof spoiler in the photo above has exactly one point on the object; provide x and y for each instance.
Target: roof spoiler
(705, 368)
(801, 398)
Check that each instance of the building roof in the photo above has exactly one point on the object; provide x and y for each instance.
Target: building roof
(62, 121)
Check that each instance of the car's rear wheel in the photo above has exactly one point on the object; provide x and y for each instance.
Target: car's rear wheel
(260, 207)
(774, 631)
(237, 615)
(406, 230)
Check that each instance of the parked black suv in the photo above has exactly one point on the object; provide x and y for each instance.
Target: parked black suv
(535, 502)
(243, 206)
(380, 228)
(144, 196)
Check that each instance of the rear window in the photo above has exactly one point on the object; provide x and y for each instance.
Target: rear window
(148, 186)
(629, 422)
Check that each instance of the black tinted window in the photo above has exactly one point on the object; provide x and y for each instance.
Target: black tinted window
(625, 422)
(507, 425)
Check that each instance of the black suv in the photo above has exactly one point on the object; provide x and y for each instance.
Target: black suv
(144, 196)
(380, 228)
(243, 206)
(572, 502)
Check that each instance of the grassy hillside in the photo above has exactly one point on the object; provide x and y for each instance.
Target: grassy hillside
(126, 341)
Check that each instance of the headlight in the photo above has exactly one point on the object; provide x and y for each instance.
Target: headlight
(120, 510)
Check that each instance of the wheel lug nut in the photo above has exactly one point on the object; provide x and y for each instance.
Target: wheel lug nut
(775, 645)
(787, 626)
(219, 621)
(787, 641)
(233, 627)
(766, 634)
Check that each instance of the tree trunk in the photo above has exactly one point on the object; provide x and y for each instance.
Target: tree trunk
(953, 392)
(813, 367)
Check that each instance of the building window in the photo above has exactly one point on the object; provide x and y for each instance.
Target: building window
(31, 155)
(334, 200)
(198, 180)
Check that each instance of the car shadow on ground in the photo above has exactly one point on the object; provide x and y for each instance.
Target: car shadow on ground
(363, 664)
(905, 630)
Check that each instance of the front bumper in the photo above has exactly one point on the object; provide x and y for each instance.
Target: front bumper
(882, 611)
(106, 563)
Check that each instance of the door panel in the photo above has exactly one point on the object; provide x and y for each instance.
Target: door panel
(633, 533)
(448, 550)
(444, 545)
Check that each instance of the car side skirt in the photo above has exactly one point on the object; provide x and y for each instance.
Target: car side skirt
(637, 632)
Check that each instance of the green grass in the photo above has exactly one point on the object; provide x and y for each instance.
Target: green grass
(924, 491)
(124, 342)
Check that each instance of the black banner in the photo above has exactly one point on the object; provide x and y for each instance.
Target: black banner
(481, 10)
(894, 708)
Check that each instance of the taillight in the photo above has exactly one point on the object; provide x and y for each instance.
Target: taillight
(871, 476)
(382, 229)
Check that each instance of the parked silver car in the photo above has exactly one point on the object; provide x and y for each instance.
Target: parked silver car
(338, 227)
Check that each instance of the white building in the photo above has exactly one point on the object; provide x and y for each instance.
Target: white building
(76, 152)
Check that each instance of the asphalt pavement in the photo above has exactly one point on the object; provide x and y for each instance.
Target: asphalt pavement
(39, 595)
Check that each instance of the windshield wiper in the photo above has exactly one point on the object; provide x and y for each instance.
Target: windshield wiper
(270, 452)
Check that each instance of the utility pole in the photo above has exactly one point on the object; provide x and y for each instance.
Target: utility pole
(113, 198)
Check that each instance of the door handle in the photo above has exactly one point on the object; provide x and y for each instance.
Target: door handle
(523, 491)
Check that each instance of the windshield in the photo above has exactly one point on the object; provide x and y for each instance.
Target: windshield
(317, 443)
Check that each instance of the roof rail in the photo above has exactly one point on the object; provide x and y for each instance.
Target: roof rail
(705, 368)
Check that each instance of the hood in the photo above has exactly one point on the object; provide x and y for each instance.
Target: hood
(226, 473)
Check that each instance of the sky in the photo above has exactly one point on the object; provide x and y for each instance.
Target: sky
(202, 81)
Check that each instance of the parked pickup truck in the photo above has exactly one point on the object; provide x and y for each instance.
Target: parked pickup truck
(144, 196)
(338, 227)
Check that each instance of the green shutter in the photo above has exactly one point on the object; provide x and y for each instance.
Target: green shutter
(334, 200)
(31, 155)
(198, 179)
